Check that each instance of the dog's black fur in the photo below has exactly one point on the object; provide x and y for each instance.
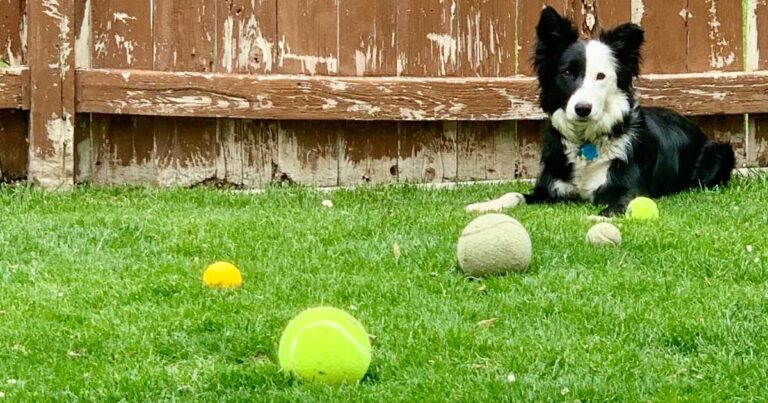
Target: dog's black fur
(665, 152)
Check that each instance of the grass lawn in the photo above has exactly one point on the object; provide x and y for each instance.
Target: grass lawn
(101, 299)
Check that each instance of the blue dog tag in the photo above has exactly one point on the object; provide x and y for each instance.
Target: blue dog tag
(588, 151)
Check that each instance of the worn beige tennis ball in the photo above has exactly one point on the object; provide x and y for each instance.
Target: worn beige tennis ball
(604, 234)
(494, 244)
(642, 208)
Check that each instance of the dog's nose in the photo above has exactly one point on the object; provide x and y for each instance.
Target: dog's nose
(583, 110)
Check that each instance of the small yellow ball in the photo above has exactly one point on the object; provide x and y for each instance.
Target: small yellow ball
(222, 275)
(642, 208)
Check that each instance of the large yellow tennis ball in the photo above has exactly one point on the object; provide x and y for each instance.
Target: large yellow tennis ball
(325, 345)
(604, 234)
(642, 208)
(222, 275)
(494, 244)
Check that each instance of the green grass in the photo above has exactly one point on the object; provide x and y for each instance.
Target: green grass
(100, 297)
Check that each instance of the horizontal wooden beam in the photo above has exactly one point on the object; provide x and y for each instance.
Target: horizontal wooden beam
(141, 92)
(13, 86)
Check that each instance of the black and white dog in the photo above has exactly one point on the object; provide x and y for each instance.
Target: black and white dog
(601, 146)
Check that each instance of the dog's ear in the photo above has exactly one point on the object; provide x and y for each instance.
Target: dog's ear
(553, 35)
(626, 41)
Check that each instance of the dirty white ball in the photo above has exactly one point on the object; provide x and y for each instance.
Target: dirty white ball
(604, 234)
(494, 244)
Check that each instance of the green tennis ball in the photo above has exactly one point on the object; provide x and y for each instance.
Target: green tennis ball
(494, 244)
(325, 345)
(642, 208)
(604, 234)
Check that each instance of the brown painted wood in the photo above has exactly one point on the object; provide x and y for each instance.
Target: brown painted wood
(308, 37)
(52, 75)
(367, 38)
(666, 34)
(308, 152)
(611, 13)
(758, 141)
(121, 34)
(183, 35)
(352, 98)
(486, 45)
(14, 154)
(427, 38)
(12, 28)
(246, 36)
(487, 150)
(528, 17)
(714, 36)
(12, 87)
(529, 136)
(761, 19)
(122, 150)
(258, 145)
(369, 153)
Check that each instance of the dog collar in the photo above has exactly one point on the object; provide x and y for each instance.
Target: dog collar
(588, 151)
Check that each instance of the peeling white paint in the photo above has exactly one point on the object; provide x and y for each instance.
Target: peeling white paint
(127, 46)
(720, 55)
(122, 17)
(412, 114)
(363, 107)
(253, 50)
(338, 85)
(402, 60)
(329, 103)
(51, 9)
(83, 41)
(309, 63)
(715, 95)
(447, 47)
(685, 14)
(638, 11)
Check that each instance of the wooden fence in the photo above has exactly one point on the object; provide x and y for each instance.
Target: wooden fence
(336, 92)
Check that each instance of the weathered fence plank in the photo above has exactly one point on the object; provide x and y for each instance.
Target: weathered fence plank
(13, 31)
(323, 98)
(14, 153)
(52, 75)
(12, 88)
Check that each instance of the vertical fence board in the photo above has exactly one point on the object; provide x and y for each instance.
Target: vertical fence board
(529, 135)
(758, 141)
(427, 151)
(52, 107)
(184, 37)
(246, 36)
(427, 38)
(729, 129)
(367, 38)
(259, 153)
(14, 155)
(486, 38)
(369, 153)
(309, 152)
(308, 37)
(367, 47)
(662, 21)
(12, 32)
(759, 34)
(121, 150)
(611, 13)
(714, 36)
(487, 150)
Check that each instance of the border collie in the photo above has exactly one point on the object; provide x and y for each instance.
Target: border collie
(600, 145)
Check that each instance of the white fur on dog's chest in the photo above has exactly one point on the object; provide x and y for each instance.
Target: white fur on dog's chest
(589, 176)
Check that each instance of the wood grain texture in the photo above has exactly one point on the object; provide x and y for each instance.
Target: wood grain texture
(428, 152)
(611, 13)
(52, 94)
(757, 143)
(246, 36)
(758, 50)
(14, 155)
(121, 150)
(12, 82)
(665, 23)
(121, 34)
(307, 37)
(184, 34)
(528, 12)
(727, 129)
(367, 38)
(308, 152)
(529, 135)
(301, 97)
(369, 153)
(427, 38)
(486, 45)
(487, 150)
(12, 32)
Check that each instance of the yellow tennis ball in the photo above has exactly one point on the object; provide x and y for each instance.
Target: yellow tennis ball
(325, 345)
(222, 275)
(604, 234)
(493, 244)
(642, 208)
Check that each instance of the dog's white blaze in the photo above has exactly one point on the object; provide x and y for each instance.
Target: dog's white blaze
(609, 103)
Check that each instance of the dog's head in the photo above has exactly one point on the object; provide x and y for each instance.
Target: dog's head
(585, 84)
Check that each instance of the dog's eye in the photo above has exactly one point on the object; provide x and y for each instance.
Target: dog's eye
(568, 73)
(600, 76)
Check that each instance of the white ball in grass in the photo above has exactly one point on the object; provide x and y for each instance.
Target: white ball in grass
(604, 234)
(494, 244)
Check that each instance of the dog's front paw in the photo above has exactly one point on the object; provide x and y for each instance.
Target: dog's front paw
(509, 200)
